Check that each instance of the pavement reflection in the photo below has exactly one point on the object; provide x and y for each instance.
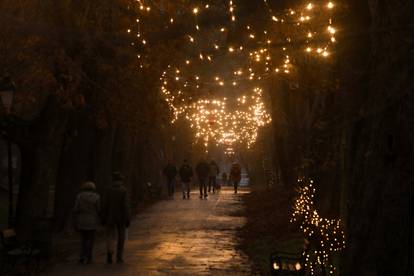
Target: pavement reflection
(177, 237)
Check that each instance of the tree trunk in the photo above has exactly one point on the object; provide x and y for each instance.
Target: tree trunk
(38, 174)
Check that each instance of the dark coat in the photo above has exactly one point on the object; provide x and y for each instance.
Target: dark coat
(86, 211)
(116, 209)
(202, 169)
(235, 172)
(186, 172)
(213, 169)
(170, 171)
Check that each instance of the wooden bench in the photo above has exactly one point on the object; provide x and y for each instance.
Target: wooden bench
(15, 253)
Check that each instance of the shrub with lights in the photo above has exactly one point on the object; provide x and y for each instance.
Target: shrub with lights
(324, 237)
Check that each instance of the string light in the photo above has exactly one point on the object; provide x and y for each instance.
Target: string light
(326, 233)
(257, 55)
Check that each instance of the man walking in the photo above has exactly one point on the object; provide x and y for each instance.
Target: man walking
(202, 171)
(186, 173)
(213, 172)
(235, 175)
(116, 217)
(170, 172)
(224, 178)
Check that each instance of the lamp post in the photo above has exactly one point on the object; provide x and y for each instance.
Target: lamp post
(7, 91)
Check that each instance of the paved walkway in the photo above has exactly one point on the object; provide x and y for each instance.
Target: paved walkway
(176, 237)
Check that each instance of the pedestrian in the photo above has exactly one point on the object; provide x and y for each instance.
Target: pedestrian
(224, 178)
(86, 212)
(202, 170)
(213, 172)
(235, 175)
(186, 173)
(116, 217)
(170, 172)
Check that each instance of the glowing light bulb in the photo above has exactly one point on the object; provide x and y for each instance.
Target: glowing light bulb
(331, 30)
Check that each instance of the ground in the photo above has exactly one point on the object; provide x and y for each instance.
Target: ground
(176, 237)
(268, 228)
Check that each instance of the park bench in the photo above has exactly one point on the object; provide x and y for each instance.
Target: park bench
(284, 263)
(17, 254)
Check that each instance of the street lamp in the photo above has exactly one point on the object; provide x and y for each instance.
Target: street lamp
(7, 91)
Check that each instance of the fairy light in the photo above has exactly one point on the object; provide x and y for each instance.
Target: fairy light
(213, 122)
(327, 233)
(310, 23)
(231, 10)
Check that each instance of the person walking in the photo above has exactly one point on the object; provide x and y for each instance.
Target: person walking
(116, 217)
(224, 178)
(212, 179)
(186, 173)
(170, 172)
(235, 175)
(86, 212)
(202, 170)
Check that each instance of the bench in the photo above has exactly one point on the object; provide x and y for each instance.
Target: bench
(284, 263)
(15, 253)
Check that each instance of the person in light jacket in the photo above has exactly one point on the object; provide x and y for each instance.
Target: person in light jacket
(86, 212)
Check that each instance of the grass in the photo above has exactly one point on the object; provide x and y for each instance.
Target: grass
(268, 228)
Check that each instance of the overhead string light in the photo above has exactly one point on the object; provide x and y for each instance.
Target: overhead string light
(231, 9)
(299, 32)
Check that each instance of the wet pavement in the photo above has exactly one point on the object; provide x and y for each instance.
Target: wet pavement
(176, 237)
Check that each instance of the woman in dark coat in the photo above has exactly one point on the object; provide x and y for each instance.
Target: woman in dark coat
(86, 212)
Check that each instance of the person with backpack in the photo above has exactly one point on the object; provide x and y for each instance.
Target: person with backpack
(186, 173)
(235, 175)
